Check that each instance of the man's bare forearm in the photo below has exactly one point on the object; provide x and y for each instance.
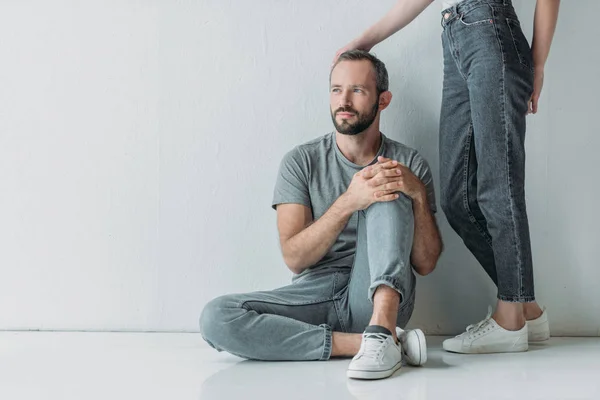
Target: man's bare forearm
(309, 246)
(546, 15)
(427, 242)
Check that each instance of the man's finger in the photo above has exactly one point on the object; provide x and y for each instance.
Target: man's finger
(369, 172)
(388, 197)
(384, 161)
(395, 185)
(379, 181)
(387, 165)
(385, 192)
(372, 170)
(388, 175)
(391, 173)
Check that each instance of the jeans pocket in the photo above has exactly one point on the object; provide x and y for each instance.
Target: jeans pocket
(520, 43)
(478, 16)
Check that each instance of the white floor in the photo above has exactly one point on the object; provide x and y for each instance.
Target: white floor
(37, 365)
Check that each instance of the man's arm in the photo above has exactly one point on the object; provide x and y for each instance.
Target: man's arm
(304, 242)
(427, 243)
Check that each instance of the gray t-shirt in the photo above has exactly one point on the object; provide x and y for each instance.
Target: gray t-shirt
(316, 173)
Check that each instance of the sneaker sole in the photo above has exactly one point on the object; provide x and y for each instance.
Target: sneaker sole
(539, 338)
(538, 332)
(421, 358)
(365, 374)
(491, 349)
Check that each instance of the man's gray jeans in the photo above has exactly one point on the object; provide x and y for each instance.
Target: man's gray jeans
(295, 322)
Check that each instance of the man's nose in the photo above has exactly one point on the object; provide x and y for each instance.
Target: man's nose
(345, 99)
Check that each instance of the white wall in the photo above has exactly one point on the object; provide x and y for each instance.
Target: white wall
(139, 144)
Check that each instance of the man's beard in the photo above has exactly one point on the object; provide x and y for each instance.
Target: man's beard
(364, 120)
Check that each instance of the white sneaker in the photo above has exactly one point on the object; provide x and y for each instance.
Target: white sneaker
(414, 346)
(488, 337)
(539, 329)
(379, 355)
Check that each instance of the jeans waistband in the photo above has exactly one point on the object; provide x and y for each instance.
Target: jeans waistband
(467, 5)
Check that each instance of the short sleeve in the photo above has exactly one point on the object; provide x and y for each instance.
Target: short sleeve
(421, 169)
(292, 181)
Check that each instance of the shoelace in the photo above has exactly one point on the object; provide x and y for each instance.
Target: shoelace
(474, 328)
(373, 343)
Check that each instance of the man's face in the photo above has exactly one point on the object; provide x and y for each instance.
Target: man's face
(353, 96)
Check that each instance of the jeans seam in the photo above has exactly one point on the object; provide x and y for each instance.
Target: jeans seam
(511, 202)
(242, 304)
(336, 306)
(454, 52)
(508, 164)
(466, 160)
(356, 248)
(514, 40)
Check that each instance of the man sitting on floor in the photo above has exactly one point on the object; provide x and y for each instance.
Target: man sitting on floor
(355, 217)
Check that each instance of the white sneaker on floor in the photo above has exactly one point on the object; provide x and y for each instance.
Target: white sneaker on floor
(539, 329)
(488, 337)
(379, 355)
(414, 346)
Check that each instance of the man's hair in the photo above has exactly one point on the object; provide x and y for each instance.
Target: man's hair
(381, 74)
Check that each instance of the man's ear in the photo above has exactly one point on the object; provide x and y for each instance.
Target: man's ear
(385, 99)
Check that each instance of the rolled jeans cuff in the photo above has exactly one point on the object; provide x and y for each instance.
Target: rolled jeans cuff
(327, 343)
(390, 281)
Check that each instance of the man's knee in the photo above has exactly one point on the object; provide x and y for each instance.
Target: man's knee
(402, 206)
(214, 318)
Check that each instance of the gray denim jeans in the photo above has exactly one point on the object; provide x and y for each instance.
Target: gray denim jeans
(488, 81)
(295, 322)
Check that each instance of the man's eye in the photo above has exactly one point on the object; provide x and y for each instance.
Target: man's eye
(358, 91)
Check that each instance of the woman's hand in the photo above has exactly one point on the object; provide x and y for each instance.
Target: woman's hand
(356, 44)
(538, 82)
